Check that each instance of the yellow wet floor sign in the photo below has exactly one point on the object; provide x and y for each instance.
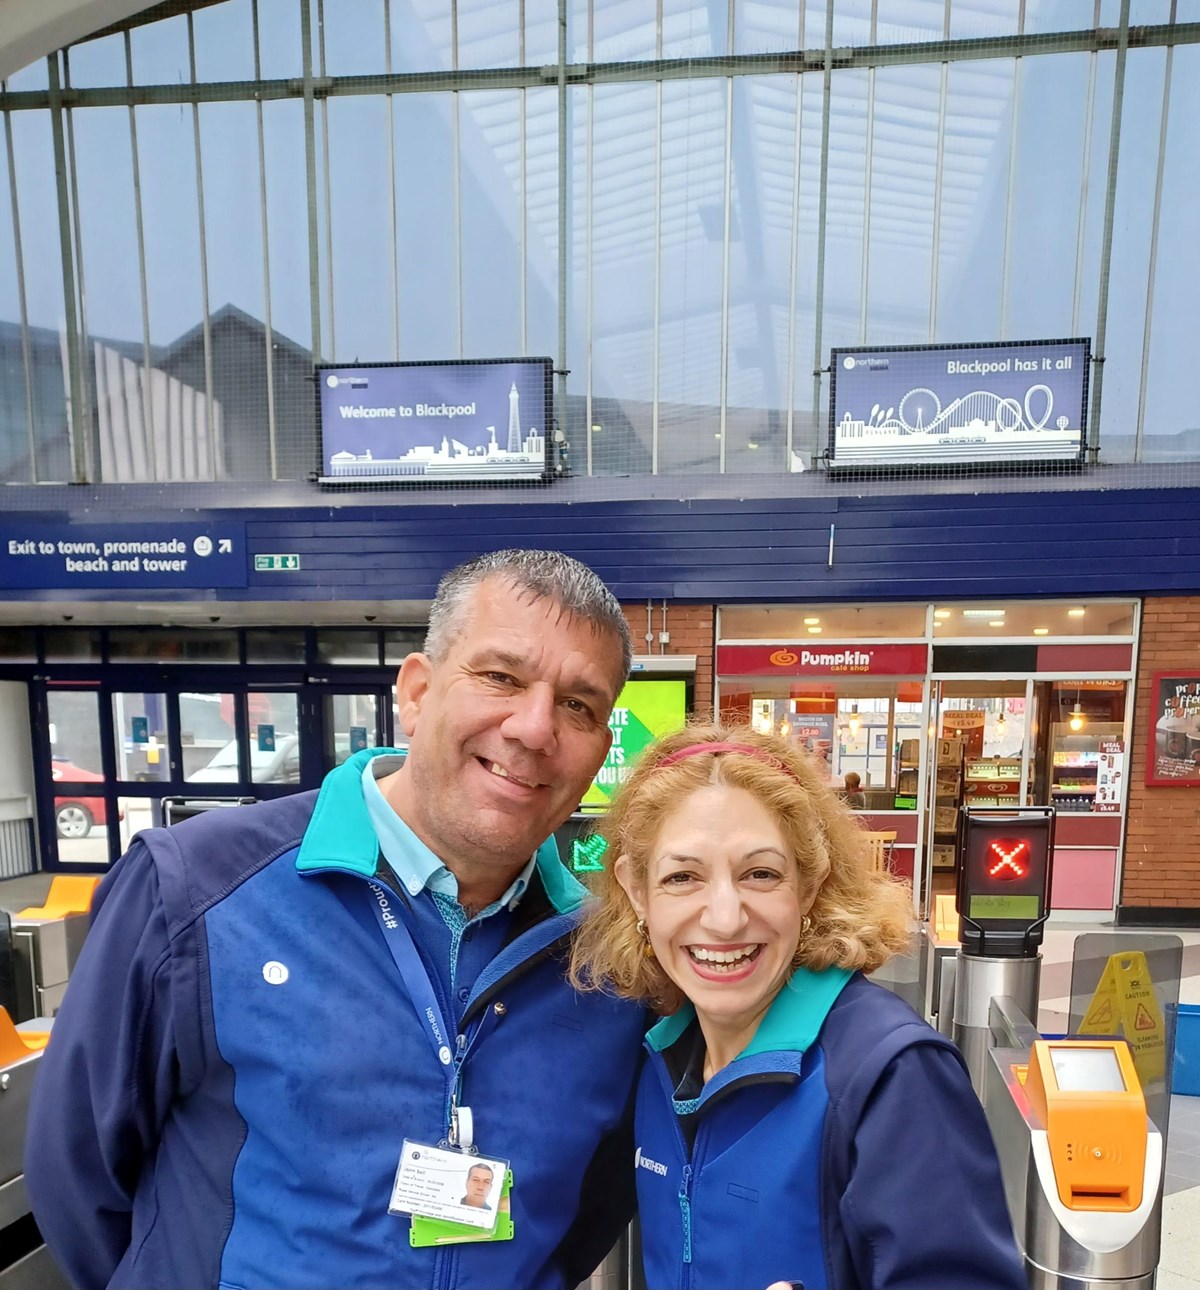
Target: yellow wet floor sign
(1124, 1003)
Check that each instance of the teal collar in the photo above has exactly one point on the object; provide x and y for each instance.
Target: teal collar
(791, 1023)
(341, 836)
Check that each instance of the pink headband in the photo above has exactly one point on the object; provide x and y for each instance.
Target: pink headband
(748, 750)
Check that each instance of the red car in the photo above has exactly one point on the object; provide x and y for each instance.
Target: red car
(74, 816)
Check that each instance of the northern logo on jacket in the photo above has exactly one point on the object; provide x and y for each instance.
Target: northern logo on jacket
(644, 1162)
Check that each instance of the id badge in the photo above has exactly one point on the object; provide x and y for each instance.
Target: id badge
(452, 1197)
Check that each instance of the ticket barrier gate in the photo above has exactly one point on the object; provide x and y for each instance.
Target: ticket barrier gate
(46, 940)
(25, 1262)
(1081, 1160)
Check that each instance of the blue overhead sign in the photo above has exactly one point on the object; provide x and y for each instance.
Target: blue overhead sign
(953, 404)
(79, 557)
(435, 422)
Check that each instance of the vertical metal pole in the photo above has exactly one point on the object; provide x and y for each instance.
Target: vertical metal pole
(822, 209)
(939, 169)
(310, 174)
(725, 240)
(522, 195)
(866, 245)
(22, 302)
(1084, 178)
(589, 162)
(1011, 196)
(329, 278)
(85, 346)
(391, 147)
(793, 267)
(1114, 148)
(76, 422)
(561, 410)
(268, 329)
(658, 185)
(456, 101)
(140, 228)
(1153, 265)
(210, 438)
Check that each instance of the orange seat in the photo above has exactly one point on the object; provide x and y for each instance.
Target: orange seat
(68, 894)
(13, 1045)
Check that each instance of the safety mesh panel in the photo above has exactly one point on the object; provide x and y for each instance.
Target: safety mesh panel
(758, 239)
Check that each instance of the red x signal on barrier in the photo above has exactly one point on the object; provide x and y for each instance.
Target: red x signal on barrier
(1008, 858)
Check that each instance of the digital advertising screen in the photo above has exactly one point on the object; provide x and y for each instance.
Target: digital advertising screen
(924, 405)
(435, 422)
(644, 710)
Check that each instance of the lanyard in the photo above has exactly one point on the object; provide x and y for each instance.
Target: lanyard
(404, 954)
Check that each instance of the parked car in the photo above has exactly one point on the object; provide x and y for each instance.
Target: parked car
(74, 817)
(279, 765)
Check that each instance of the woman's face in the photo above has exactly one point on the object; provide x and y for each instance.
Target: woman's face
(723, 905)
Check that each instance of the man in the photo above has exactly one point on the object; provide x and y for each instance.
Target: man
(273, 1001)
(479, 1183)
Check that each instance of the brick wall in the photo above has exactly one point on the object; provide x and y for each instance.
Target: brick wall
(692, 629)
(1162, 839)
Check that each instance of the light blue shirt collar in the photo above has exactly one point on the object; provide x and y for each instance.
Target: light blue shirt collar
(415, 866)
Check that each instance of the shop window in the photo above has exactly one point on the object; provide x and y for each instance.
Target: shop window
(169, 645)
(18, 645)
(275, 645)
(348, 647)
(64, 645)
(821, 622)
(1033, 619)
(852, 726)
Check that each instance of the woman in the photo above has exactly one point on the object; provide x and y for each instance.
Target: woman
(795, 1122)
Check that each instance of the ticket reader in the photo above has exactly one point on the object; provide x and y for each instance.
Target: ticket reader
(1003, 901)
(1082, 1163)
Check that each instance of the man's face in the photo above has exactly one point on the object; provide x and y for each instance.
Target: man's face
(479, 1183)
(508, 730)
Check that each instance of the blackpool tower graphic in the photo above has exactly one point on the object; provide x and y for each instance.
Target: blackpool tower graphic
(514, 420)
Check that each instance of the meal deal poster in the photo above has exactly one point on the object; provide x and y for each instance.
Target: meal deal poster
(645, 710)
(1173, 747)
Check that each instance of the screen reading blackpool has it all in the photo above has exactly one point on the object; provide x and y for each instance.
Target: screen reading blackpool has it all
(1018, 401)
(435, 422)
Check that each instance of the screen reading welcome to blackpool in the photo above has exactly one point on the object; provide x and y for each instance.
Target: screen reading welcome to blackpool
(965, 404)
(435, 422)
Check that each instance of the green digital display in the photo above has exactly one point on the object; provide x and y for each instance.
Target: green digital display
(1025, 908)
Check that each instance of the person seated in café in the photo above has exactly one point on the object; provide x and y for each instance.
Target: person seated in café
(853, 795)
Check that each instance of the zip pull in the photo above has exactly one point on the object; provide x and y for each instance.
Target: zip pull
(685, 1211)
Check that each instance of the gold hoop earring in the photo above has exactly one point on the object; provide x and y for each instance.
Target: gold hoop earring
(647, 948)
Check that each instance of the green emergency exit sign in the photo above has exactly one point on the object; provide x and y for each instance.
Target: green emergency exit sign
(272, 563)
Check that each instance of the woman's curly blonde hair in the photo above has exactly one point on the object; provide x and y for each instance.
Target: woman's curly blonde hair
(860, 917)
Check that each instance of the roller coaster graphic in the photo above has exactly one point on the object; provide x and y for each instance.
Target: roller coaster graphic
(920, 412)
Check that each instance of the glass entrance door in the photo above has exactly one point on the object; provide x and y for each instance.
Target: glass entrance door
(981, 743)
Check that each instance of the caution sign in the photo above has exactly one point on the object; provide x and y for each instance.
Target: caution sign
(1125, 1004)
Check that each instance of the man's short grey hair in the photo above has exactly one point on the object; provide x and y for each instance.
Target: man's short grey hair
(538, 575)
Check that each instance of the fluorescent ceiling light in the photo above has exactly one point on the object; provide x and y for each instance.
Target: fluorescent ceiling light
(996, 622)
(942, 613)
(811, 622)
(1076, 613)
(1041, 631)
(983, 613)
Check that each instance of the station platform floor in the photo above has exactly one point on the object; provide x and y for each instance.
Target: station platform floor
(1179, 1264)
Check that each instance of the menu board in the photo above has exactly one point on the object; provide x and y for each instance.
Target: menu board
(1110, 776)
(1173, 745)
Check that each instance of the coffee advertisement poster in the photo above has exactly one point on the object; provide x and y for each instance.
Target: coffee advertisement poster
(1173, 750)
